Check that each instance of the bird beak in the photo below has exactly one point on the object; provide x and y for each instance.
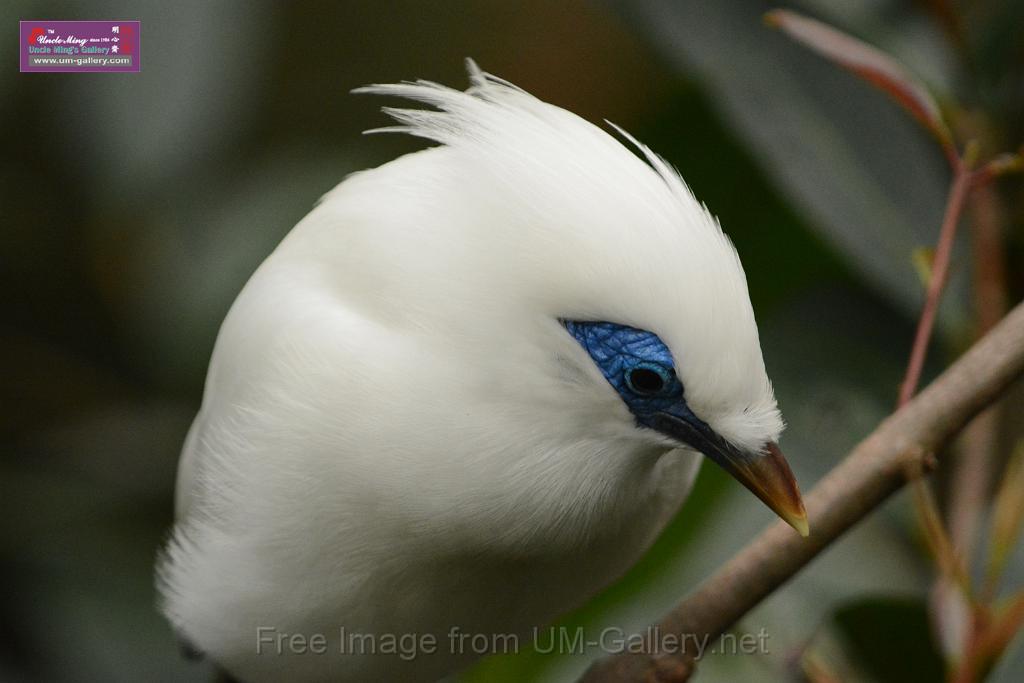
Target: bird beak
(766, 472)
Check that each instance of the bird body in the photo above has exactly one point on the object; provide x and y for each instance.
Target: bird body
(412, 421)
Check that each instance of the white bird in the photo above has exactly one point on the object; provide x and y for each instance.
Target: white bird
(464, 394)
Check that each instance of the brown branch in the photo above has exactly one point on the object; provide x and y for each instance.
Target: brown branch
(937, 282)
(974, 464)
(878, 466)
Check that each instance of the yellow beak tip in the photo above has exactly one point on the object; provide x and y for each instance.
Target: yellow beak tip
(801, 526)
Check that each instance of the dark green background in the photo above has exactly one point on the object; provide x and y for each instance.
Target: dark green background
(134, 207)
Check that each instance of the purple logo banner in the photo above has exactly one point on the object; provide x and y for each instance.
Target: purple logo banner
(80, 46)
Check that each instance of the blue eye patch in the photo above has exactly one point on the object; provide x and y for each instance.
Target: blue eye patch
(637, 364)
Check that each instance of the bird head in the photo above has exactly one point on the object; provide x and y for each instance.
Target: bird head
(593, 277)
(642, 370)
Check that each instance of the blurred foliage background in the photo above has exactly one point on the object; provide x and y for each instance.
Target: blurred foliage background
(135, 206)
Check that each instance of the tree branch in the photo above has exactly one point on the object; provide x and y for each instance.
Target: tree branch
(937, 282)
(900, 448)
(975, 464)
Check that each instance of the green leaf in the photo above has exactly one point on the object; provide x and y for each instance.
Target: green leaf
(874, 66)
(1007, 517)
(862, 172)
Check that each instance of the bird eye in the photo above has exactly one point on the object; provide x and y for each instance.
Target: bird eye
(647, 380)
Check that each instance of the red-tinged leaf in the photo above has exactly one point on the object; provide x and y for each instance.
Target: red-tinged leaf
(994, 635)
(817, 669)
(1007, 518)
(1008, 622)
(871, 64)
(948, 561)
(1000, 165)
(950, 611)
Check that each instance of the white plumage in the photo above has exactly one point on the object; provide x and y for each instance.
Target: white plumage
(397, 432)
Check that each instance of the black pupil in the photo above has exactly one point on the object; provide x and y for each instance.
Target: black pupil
(646, 381)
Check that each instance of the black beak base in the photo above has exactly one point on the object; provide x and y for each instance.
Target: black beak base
(766, 472)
